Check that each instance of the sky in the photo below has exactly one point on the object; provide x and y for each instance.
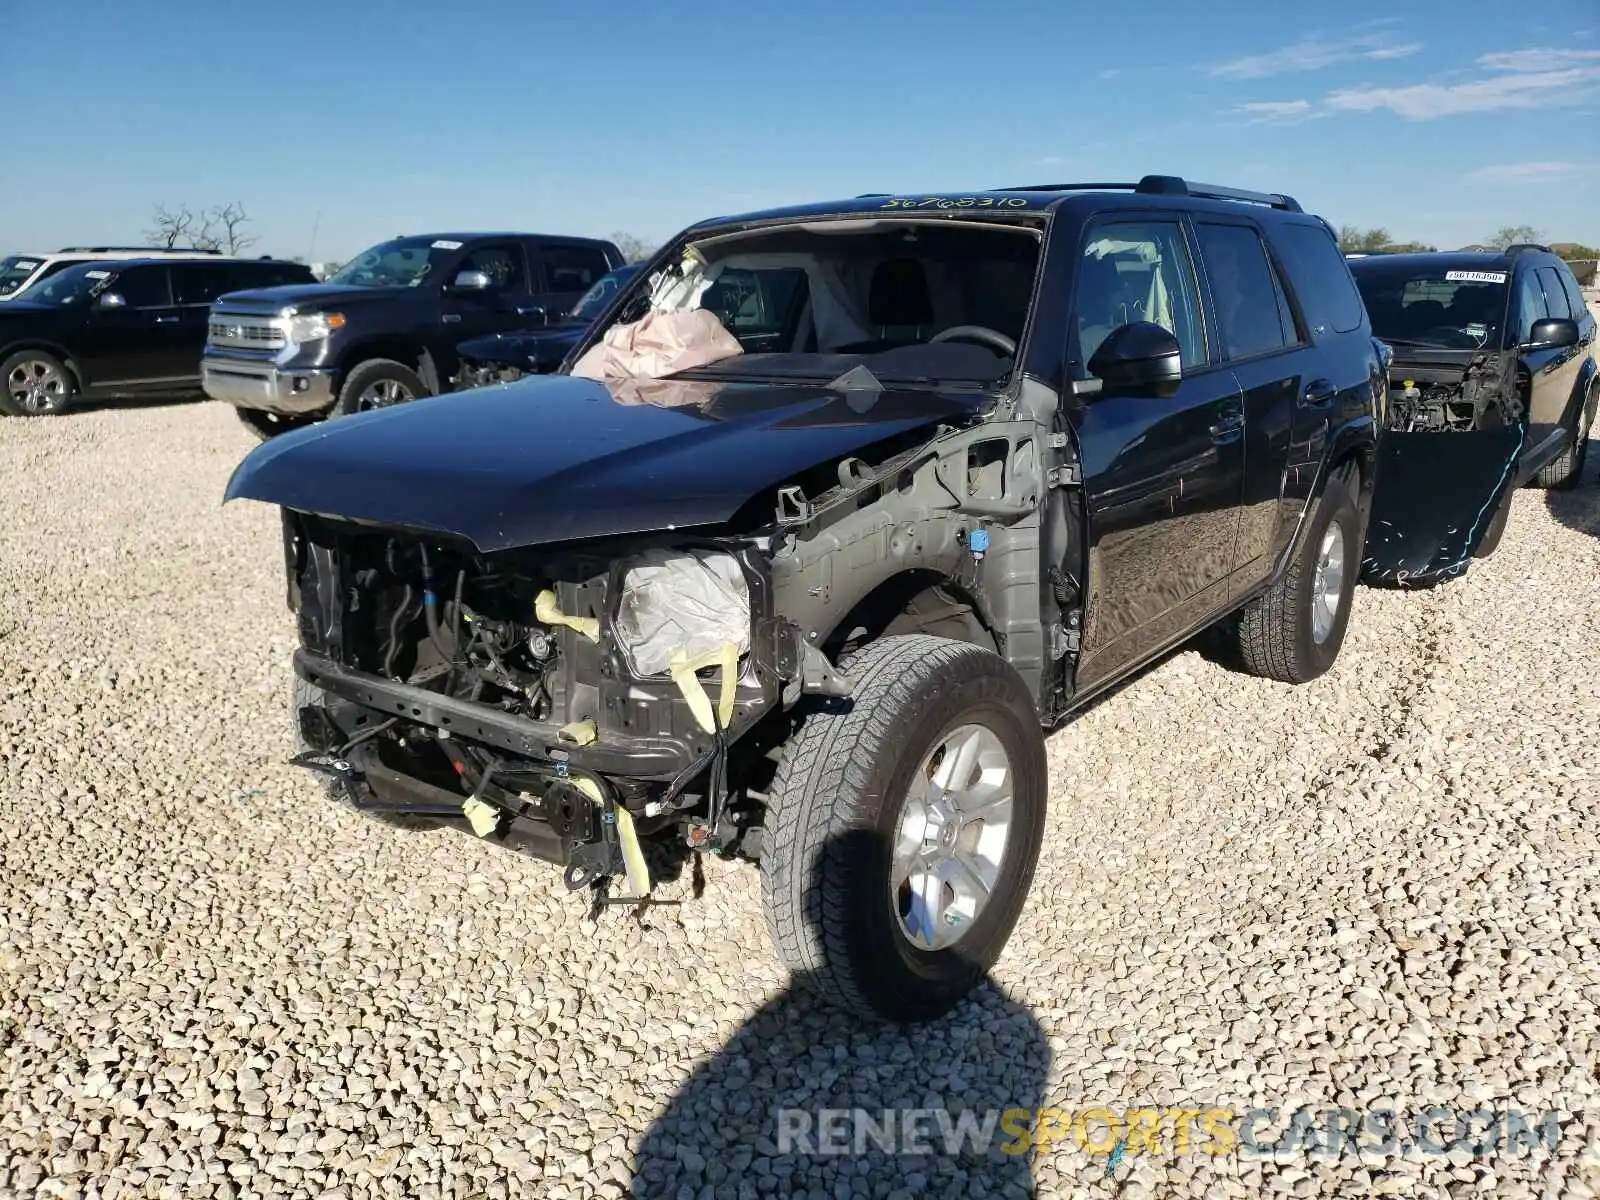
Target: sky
(342, 124)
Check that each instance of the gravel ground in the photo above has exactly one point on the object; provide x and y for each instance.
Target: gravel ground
(1379, 887)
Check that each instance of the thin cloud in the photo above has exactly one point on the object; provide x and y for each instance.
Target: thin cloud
(1511, 90)
(1311, 54)
(1529, 172)
(1538, 60)
(1276, 112)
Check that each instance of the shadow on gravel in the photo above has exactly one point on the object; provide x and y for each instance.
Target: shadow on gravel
(133, 403)
(807, 1100)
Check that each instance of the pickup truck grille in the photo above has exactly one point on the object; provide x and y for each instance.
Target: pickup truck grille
(243, 333)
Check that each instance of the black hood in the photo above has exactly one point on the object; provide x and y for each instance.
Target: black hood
(308, 296)
(557, 458)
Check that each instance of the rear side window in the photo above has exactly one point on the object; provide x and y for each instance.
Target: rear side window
(1243, 290)
(142, 287)
(199, 283)
(1321, 278)
(573, 268)
(1555, 296)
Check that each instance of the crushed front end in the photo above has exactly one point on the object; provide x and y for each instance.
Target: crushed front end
(565, 701)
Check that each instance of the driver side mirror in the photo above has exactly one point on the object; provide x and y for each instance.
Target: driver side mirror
(470, 281)
(110, 300)
(1552, 333)
(1138, 359)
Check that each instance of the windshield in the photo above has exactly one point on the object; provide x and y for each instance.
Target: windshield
(15, 271)
(1434, 306)
(597, 297)
(403, 262)
(932, 302)
(69, 286)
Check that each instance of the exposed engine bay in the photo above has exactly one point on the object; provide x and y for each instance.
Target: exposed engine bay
(1437, 398)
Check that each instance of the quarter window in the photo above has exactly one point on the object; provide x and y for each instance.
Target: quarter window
(1138, 271)
(1244, 291)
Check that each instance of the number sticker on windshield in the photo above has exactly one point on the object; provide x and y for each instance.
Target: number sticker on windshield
(25, 265)
(97, 274)
(957, 202)
(1475, 276)
(447, 245)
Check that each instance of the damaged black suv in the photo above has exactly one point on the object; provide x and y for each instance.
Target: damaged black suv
(928, 474)
(1492, 385)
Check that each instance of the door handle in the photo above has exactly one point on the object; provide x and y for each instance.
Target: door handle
(1319, 394)
(167, 320)
(1229, 428)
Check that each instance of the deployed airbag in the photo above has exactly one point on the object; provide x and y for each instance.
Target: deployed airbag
(657, 345)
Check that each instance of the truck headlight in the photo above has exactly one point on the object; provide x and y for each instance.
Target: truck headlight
(682, 610)
(313, 327)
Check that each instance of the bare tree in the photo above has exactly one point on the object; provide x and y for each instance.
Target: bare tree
(171, 229)
(634, 248)
(223, 229)
(1510, 235)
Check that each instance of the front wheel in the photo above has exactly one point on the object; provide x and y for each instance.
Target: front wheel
(1293, 631)
(378, 383)
(903, 827)
(35, 384)
(1564, 473)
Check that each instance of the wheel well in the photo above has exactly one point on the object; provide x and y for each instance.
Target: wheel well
(918, 601)
(54, 352)
(405, 352)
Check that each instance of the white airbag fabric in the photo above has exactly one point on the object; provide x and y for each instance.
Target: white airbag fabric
(658, 344)
(682, 606)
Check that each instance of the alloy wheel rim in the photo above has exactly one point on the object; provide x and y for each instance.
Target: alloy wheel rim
(951, 839)
(383, 393)
(36, 386)
(1328, 585)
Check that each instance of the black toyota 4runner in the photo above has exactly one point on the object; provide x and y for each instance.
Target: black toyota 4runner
(384, 328)
(124, 327)
(813, 602)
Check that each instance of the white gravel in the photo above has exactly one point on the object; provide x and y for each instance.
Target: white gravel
(1384, 885)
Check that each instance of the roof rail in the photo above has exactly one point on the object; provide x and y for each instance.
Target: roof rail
(873, 195)
(1519, 247)
(131, 249)
(1172, 185)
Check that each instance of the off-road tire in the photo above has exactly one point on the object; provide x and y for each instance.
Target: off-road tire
(833, 810)
(1271, 635)
(376, 370)
(1563, 473)
(301, 694)
(11, 408)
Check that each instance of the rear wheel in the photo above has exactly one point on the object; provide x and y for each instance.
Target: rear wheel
(378, 383)
(1565, 472)
(1293, 632)
(35, 384)
(903, 827)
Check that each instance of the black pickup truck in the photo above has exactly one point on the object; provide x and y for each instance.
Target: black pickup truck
(960, 464)
(385, 327)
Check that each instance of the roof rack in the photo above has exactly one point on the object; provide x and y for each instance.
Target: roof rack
(1171, 185)
(131, 249)
(1519, 247)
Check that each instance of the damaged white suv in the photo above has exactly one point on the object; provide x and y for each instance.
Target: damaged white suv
(832, 513)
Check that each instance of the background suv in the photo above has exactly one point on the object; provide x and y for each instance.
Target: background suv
(118, 328)
(19, 272)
